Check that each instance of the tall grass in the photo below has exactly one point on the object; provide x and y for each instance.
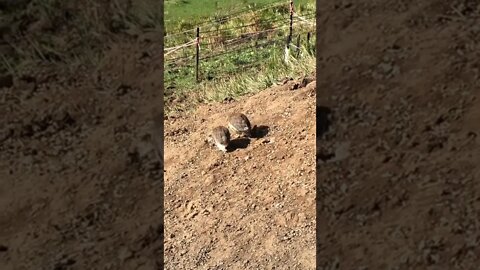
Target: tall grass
(71, 33)
(240, 84)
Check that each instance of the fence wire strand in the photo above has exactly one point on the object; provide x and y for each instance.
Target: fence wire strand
(240, 40)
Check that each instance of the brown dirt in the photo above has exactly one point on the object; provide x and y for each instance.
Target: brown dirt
(401, 79)
(79, 180)
(397, 175)
(253, 207)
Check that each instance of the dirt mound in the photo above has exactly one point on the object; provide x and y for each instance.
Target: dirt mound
(398, 167)
(253, 207)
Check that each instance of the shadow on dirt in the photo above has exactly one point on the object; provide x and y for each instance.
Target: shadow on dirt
(323, 120)
(259, 131)
(239, 143)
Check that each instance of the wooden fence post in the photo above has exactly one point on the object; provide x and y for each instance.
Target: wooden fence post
(291, 22)
(289, 39)
(198, 55)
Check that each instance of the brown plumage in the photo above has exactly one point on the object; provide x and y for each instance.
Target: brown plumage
(221, 137)
(238, 123)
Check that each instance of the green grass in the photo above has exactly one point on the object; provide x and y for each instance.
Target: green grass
(231, 68)
(69, 33)
(193, 11)
(240, 84)
(247, 59)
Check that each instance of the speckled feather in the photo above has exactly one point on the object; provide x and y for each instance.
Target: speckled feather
(239, 123)
(221, 136)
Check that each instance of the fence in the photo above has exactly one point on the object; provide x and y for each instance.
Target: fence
(228, 43)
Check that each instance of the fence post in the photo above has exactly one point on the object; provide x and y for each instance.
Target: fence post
(291, 22)
(198, 55)
(289, 39)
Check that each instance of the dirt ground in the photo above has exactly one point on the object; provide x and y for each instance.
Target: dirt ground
(398, 120)
(79, 180)
(398, 124)
(252, 207)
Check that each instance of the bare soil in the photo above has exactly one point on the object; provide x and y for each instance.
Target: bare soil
(397, 164)
(254, 206)
(398, 168)
(79, 180)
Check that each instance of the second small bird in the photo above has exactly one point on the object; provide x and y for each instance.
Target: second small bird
(239, 124)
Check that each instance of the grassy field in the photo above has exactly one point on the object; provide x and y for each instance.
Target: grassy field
(241, 54)
(69, 35)
(189, 12)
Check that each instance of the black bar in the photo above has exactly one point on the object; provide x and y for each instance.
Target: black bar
(198, 54)
(308, 42)
(291, 24)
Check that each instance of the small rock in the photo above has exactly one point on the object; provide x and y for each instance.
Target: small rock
(312, 85)
(294, 86)
(306, 81)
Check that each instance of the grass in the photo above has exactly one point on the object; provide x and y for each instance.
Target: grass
(241, 84)
(70, 34)
(187, 13)
(249, 66)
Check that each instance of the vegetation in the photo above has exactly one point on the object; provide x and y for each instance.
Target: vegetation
(241, 51)
(73, 35)
(69, 33)
(188, 13)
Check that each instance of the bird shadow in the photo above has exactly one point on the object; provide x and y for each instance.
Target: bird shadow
(323, 120)
(259, 131)
(239, 143)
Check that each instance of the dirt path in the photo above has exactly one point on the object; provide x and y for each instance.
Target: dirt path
(251, 208)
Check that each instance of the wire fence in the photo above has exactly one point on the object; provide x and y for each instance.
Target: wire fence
(216, 43)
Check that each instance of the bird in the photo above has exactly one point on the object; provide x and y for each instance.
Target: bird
(239, 124)
(221, 137)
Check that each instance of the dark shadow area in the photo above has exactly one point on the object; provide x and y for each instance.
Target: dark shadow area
(325, 157)
(259, 131)
(240, 143)
(72, 54)
(323, 120)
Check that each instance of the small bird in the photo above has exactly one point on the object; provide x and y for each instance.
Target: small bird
(238, 123)
(221, 137)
